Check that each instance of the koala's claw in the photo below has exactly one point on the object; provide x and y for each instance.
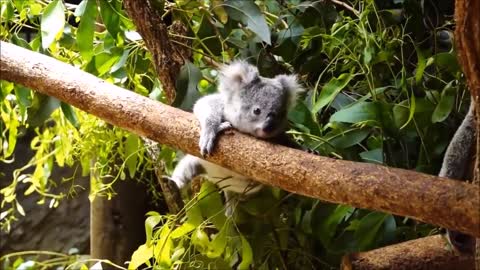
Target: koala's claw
(207, 142)
(225, 125)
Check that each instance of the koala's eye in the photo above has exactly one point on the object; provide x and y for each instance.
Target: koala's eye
(257, 111)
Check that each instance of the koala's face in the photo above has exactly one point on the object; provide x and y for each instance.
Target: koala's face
(259, 108)
(254, 104)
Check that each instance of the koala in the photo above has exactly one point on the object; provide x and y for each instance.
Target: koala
(247, 102)
(456, 165)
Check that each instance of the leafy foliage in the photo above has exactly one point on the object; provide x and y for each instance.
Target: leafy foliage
(384, 85)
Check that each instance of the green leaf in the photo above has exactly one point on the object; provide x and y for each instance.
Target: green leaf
(150, 223)
(140, 256)
(326, 219)
(219, 10)
(343, 139)
(194, 219)
(373, 156)
(217, 246)
(52, 22)
(121, 62)
(24, 96)
(186, 85)
(80, 8)
(367, 231)
(86, 30)
(211, 204)
(420, 66)
(448, 61)
(247, 254)
(70, 114)
(330, 91)
(445, 106)
(249, 14)
(411, 109)
(131, 155)
(359, 112)
(110, 17)
(104, 62)
(163, 247)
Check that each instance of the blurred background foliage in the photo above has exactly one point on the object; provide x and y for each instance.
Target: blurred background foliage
(384, 87)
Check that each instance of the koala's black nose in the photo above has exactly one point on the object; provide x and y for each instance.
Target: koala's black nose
(269, 127)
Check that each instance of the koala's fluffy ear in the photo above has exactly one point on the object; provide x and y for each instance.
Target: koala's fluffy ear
(236, 75)
(290, 83)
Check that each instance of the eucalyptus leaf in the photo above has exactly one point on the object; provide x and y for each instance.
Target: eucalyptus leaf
(368, 228)
(330, 91)
(110, 17)
(186, 85)
(86, 30)
(52, 22)
(247, 12)
(445, 106)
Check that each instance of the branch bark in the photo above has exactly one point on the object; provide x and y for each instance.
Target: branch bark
(444, 202)
(467, 39)
(168, 60)
(432, 252)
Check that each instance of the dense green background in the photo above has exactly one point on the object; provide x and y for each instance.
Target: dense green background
(383, 87)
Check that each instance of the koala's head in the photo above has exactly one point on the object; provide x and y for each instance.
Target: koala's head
(254, 104)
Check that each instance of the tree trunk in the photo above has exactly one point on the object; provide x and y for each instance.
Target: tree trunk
(440, 201)
(431, 252)
(467, 38)
(115, 227)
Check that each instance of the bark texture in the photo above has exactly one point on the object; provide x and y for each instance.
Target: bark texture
(167, 58)
(444, 202)
(115, 230)
(431, 252)
(467, 39)
(167, 66)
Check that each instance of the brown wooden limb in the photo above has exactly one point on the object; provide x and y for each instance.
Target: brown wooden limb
(432, 252)
(467, 39)
(432, 199)
(166, 57)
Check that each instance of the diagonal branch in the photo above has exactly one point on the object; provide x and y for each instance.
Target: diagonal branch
(444, 202)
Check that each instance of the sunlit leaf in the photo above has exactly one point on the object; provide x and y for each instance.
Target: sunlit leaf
(150, 223)
(52, 22)
(140, 256)
(247, 254)
(131, 153)
(86, 30)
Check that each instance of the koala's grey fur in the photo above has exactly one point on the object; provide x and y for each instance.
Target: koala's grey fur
(455, 165)
(247, 102)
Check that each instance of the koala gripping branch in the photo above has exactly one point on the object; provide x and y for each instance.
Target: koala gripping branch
(444, 202)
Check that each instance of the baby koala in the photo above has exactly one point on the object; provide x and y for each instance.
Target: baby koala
(247, 102)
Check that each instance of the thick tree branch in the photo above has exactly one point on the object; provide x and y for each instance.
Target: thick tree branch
(467, 39)
(167, 58)
(432, 252)
(450, 204)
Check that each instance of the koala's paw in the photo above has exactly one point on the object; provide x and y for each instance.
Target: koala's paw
(207, 142)
(224, 126)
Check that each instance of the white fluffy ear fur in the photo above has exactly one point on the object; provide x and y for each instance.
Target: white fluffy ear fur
(290, 83)
(236, 75)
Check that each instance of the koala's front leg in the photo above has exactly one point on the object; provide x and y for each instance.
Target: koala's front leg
(209, 112)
